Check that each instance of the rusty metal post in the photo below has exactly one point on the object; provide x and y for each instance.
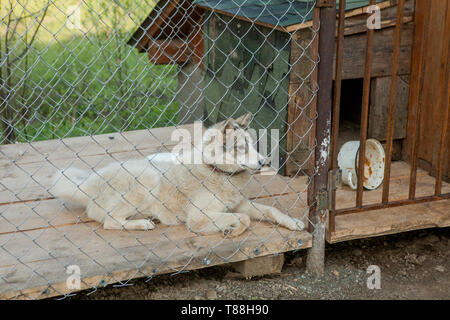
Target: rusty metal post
(364, 115)
(444, 100)
(318, 214)
(392, 101)
(336, 109)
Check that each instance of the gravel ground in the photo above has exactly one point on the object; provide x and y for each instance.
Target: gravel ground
(414, 265)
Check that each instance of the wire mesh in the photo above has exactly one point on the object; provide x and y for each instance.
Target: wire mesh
(90, 89)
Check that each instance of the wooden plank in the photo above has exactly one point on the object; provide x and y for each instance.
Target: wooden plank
(114, 256)
(441, 153)
(383, 43)
(302, 101)
(345, 196)
(44, 214)
(348, 14)
(358, 23)
(432, 107)
(390, 221)
(259, 266)
(168, 51)
(195, 37)
(70, 148)
(378, 111)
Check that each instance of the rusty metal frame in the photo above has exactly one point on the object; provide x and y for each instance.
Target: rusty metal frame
(444, 100)
(336, 107)
(327, 17)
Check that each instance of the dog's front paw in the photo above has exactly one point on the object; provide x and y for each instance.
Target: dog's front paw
(295, 224)
(145, 224)
(237, 228)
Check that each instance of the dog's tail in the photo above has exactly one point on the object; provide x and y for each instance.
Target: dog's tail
(72, 185)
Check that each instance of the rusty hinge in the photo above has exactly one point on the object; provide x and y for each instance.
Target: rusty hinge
(334, 182)
(325, 3)
(325, 196)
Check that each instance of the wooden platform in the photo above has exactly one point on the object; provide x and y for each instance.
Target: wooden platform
(392, 220)
(40, 236)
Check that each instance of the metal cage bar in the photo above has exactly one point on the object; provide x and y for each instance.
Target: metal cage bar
(364, 114)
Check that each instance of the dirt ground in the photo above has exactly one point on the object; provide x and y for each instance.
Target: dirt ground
(413, 265)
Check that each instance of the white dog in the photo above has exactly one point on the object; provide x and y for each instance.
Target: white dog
(206, 197)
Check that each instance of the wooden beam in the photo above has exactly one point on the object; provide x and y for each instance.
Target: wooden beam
(302, 102)
(165, 14)
(168, 51)
(264, 24)
(354, 53)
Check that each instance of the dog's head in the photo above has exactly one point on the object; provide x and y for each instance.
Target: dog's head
(229, 146)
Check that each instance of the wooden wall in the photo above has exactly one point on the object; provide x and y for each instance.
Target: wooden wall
(432, 32)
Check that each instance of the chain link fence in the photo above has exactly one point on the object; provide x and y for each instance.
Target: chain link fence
(97, 98)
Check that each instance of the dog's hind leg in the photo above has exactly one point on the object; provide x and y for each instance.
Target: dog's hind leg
(117, 218)
(206, 222)
(258, 211)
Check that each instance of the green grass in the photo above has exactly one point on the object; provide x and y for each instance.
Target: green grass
(81, 83)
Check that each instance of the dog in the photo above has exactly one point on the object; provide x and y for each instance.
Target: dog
(206, 197)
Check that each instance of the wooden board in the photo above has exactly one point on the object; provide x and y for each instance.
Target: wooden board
(399, 188)
(301, 111)
(357, 23)
(391, 220)
(379, 102)
(428, 86)
(354, 49)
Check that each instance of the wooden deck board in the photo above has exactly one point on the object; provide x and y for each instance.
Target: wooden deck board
(399, 188)
(121, 255)
(391, 220)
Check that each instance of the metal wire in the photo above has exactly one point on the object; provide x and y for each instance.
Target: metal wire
(84, 84)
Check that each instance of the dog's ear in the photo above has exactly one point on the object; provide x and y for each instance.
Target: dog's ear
(226, 124)
(244, 120)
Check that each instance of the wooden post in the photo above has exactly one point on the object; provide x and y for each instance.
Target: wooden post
(316, 254)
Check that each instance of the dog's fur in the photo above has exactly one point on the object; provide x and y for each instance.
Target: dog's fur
(206, 197)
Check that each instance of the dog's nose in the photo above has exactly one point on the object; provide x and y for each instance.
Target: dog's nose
(262, 162)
